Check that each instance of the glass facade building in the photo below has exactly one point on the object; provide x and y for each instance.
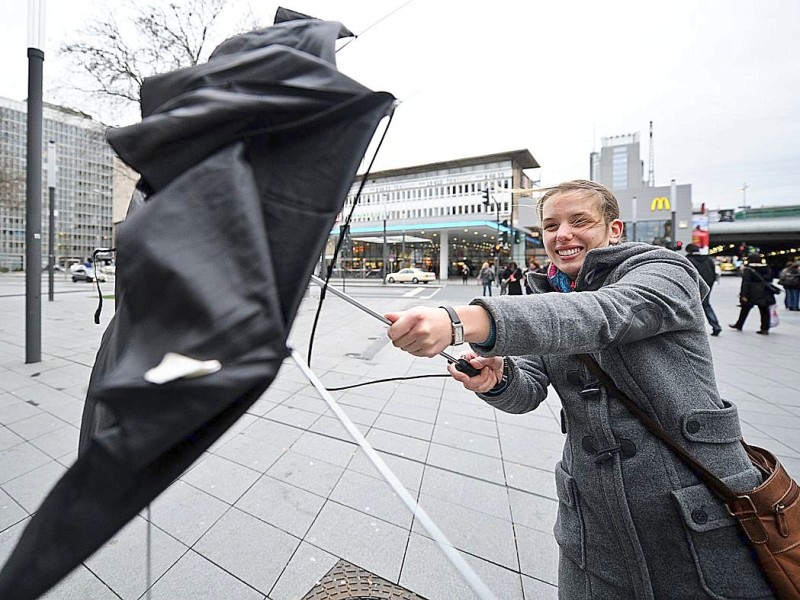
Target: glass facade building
(83, 191)
(439, 217)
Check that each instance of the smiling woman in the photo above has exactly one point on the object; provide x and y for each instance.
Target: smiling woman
(576, 218)
(635, 308)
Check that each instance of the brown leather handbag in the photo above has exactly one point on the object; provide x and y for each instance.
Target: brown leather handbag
(769, 515)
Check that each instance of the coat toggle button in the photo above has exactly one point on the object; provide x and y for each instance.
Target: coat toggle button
(699, 516)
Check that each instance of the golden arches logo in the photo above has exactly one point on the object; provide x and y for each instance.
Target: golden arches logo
(661, 203)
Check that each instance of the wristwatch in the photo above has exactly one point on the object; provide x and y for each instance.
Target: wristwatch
(458, 326)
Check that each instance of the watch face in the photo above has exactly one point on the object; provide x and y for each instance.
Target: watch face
(458, 334)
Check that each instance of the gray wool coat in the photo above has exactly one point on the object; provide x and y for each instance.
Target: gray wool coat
(633, 522)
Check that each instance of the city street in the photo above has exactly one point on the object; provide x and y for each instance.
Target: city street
(286, 493)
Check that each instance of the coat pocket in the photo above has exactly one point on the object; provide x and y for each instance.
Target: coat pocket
(569, 530)
(725, 563)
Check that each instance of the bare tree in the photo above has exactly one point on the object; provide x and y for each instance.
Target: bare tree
(116, 51)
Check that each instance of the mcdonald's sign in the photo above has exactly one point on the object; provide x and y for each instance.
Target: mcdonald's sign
(660, 203)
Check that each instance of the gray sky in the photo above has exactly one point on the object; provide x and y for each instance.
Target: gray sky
(720, 79)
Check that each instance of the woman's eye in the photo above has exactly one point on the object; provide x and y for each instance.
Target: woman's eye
(550, 227)
(580, 223)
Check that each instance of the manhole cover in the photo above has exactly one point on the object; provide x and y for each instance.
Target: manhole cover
(349, 582)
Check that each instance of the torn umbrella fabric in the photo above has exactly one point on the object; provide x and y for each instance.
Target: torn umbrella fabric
(245, 161)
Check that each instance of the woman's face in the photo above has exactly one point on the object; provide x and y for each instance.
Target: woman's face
(572, 224)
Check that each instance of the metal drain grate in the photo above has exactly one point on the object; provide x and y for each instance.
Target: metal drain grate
(349, 582)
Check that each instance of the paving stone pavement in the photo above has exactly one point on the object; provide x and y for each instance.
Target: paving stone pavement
(286, 493)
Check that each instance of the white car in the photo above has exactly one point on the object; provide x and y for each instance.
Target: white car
(88, 274)
(412, 274)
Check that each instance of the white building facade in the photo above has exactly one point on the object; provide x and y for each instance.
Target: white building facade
(440, 216)
(83, 191)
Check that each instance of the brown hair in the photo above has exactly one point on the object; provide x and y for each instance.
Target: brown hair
(609, 207)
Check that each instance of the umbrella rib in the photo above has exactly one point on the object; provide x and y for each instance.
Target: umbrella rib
(455, 558)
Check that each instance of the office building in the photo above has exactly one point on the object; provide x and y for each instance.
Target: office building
(438, 216)
(650, 212)
(618, 165)
(83, 191)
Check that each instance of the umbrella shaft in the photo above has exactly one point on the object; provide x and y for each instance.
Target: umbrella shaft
(346, 297)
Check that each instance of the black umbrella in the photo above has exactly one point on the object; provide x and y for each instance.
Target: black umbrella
(245, 161)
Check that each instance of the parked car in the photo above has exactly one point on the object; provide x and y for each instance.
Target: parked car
(87, 274)
(412, 275)
(728, 268)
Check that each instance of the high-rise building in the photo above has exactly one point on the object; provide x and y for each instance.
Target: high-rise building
(83, 191)
(618, 165)
(659, 215)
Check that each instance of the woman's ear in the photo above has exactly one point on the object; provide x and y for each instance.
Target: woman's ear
(615, 231)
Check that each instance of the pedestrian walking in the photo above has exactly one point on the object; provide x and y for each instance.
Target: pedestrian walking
(705, 266)
(465, 272)
(758, 290)
(534, 266)
(789, 278)
(512, 275)
(485, 278)
(502, 282)
(633, 521)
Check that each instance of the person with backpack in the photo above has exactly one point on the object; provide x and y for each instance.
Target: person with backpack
(705, 267)
(789, 278)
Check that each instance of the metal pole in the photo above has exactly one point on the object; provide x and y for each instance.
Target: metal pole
(33, 211)
(384, 272)
(633, 220)
(673, 205)
(345, 242)
(51, 185)
(499, 249)
(744, 200)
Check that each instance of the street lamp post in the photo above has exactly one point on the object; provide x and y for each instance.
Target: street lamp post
(51, 185)
(403, 245)
(744, 206)
(33, 186)
(384, 272)
(673, 205)
(344, 232)
(487, 198)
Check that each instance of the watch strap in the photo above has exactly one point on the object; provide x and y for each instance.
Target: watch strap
(458, 326)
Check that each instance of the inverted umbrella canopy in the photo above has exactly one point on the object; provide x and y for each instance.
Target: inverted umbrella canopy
(245, 161)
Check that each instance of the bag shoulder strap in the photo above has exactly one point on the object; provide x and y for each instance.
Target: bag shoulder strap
(716, 485)
(760, 278)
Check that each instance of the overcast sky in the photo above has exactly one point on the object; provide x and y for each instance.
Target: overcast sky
(720, 79)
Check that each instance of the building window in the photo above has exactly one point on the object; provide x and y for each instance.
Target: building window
(619, 166)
